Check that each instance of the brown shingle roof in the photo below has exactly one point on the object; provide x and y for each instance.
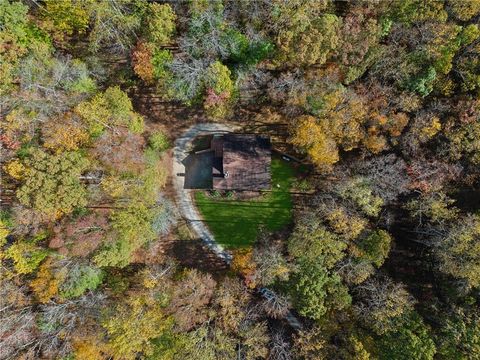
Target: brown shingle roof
(246, 163)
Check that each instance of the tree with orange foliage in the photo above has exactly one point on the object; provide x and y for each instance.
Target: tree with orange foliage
(65, 133)
(45, 285)
(142, 61)
(90, 348)
(242, 263)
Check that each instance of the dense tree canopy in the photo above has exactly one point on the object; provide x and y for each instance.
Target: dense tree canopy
(51, 183)
(372, 109)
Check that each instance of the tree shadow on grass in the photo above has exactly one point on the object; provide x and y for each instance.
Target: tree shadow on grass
(194, 254)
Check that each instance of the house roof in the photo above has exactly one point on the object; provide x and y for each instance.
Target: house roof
(246, 162)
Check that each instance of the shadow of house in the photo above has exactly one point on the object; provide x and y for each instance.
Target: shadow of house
(198, 171)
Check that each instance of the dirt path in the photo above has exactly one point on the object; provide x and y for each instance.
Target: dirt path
(184, 196)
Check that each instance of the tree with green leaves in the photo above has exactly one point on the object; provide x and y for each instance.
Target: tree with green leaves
(315, 289)
(375, 247)
(108, 109)
(410, 12)
(49, 84)
(410, 341)
(159, 141)
(160, 24)
(381, 304)
(79, 279)
(304, 33)
(18, 35)
(359, 191)
(114, 26)
(310, 240)
(459, 335)
(457, 249)
(205, 342)
(132, 228)
(219, 90)
(310, 46)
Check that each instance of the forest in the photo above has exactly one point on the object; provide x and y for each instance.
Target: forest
(367, 245)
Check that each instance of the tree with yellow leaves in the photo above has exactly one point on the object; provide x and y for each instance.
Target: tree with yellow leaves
(65, 133)
(26, 255)
(51, 184)
(15, 169)
(458, 249)
(464, 10)
(160, 25)
(64, 18)
(138, 319)
(311, 136)
(343, 222)
(340, 119)
(18, 125)
(90, 348)
(344, 114)
(45, 285)
(3, 232)
(110, 108)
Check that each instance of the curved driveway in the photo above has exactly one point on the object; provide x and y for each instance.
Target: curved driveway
(187, 207)
(185, 196)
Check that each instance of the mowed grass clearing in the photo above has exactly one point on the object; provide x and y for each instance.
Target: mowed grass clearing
(236, 223)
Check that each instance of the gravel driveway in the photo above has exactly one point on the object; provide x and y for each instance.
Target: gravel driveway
(187, 206)
(185, 196)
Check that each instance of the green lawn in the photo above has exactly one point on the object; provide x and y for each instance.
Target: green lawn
(236, 223)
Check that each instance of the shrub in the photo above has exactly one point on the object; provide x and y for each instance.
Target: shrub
(159, 141)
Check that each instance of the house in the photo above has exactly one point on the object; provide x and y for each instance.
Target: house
(241, 162)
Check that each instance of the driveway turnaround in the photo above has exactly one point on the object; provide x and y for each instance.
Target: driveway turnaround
(185, 196)
(186, 203)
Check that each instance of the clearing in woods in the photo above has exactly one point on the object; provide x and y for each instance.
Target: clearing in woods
(236, 223)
